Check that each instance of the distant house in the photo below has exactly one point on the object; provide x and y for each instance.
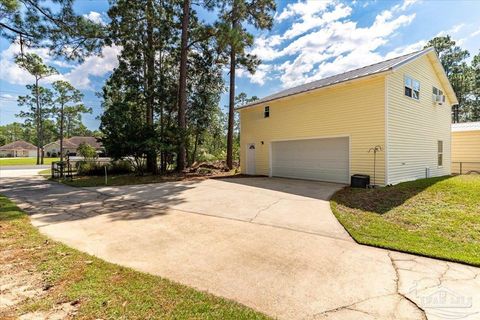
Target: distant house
(18, 148)
(465, 147)
(70, 146)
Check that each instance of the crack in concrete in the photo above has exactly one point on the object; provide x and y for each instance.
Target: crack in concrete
(397, 284)
(264, 209)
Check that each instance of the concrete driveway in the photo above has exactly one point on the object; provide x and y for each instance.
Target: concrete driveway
(287, 203)
(243, 239)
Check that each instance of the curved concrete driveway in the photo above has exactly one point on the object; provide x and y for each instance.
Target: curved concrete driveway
(244, 239)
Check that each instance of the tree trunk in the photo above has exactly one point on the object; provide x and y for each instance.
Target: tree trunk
(182, 87)
(37, 124)
(61, 135)
(152, 155)
(195, 147)
(231, 106)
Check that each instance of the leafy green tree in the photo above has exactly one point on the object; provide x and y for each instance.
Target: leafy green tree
(64, 96)
(10, 133)
(86, 151)
(475, 113)
(234, 38)
(35, 66)
(206, 85)
(458, 71)
(38, 104)
(145, 63)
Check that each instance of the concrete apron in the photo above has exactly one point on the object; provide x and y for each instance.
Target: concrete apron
(285, 273)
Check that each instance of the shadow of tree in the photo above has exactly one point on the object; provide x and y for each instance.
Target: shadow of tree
(55, 203)
(382, 200)
(305, 188)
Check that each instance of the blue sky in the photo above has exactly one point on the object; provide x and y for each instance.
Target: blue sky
(309, 41)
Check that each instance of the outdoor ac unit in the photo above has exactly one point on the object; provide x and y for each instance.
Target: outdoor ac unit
(440, 99)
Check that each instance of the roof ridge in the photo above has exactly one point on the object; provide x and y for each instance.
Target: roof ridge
(311, 85)
(371, 65)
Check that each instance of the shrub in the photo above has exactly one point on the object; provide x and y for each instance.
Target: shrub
(93, 168)
(87, 151)
(120, 167)
(87, 168)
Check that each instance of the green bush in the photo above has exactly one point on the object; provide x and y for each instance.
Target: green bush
(92, 168)
(120, 167)
(87, 168)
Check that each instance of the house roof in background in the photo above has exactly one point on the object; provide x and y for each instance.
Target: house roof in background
(74, 142)
(18, 145)
(466, 126)
(376, 68)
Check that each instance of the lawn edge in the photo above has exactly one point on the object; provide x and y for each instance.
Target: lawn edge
(379, 246)
(26, 215)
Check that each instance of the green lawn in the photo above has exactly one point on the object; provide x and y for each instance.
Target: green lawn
(99, 289)
(24, 161)
(437, 217)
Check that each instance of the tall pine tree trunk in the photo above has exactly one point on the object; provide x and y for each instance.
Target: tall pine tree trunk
(182, 87)
(231, 107)
(61, 132)
(152, 155)
(61, 137)
(37, 124)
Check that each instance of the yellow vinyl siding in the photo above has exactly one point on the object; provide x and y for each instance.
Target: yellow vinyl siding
(466, 149)
(414, 127)
(355, 109)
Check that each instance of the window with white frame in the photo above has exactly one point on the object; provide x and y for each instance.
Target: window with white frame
(412, 88)
(266, 112)
(440, 153)
(436, 92)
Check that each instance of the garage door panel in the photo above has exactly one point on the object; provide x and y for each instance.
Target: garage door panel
(314, 159)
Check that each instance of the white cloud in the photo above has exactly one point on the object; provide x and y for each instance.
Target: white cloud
(452, 31)
(79, 75)
(476, 33)
(321, 40)
(96, 66)
(95, 17)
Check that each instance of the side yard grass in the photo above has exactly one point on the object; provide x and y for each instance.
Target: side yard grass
(47, 278)
(436, 217)
(24, 161)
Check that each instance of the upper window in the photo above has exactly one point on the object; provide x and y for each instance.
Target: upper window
(440, 153)
(412, 88)
(266, 112)
(436, 93)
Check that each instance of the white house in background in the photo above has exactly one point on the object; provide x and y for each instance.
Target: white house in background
(70, 146)
(18, 148)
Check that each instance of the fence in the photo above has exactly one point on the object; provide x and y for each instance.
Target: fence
(69, 168)
(465, 167)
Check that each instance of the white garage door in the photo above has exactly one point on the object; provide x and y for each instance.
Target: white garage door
(312, 159)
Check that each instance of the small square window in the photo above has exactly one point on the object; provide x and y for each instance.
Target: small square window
(266, 112)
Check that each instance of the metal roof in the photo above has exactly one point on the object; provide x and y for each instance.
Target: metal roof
(466, 126)
(376, 68)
